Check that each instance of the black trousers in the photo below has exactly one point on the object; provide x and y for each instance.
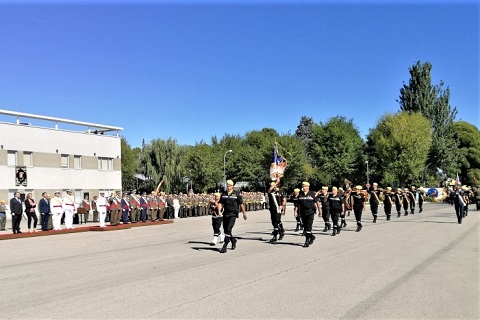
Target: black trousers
(398, 206)
(16, 219)
(387, 207)
(374, 208)
(44, 221)
(326, 215)
(335, 214)
(216, 224)
(405, 206)
(276, 219)
(358, 214)
(459, 211)
(30, 216)
(228, 224)
(307, 222)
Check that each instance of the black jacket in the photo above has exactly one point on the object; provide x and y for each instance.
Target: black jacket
(15, 206)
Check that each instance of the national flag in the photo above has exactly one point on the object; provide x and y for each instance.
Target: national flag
(278, 166)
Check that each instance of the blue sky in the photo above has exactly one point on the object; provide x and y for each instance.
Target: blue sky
(191, 70)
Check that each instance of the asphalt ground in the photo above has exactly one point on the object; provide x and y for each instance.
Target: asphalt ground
(422, 266)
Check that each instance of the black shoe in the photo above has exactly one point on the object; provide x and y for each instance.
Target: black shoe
(273, 240)
(374, 219)
(282, 233)
(224, 248)
(297, 228)
(338, 230)
(329, 226)
(334, 233)
(398, 215)
(388, 217)
(234, 243)
(312, 238)
(359, 227)
(306, 244)
(420, 210)
(19, 231)
(412, 212)
(406, 213)
(344, 224)
(325, 229)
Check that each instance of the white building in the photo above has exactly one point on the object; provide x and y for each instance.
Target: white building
(61, 154)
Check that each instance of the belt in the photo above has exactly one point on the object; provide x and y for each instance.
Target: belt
(102, 205)
(57, 206)
(69, 204)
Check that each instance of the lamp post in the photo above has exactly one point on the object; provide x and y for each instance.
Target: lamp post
(368, 180)
(224, 175)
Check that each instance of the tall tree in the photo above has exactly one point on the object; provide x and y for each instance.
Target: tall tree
(433, 103)
(129, 165)
(468, 137)
(402, 140)
(336, 149)
(304, 133)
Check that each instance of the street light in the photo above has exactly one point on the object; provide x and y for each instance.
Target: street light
(224, 175)
(368, 180)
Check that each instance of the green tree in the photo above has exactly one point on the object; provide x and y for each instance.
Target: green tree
(129, 165)
(433, 103)
(304, 133)
(468, 137)
(337, 147)
(202, 167)
(162, 160)
(402, 140)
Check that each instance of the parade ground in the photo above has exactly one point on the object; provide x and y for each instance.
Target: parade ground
(422, 266)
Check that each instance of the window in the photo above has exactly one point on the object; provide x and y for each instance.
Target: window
(65, 162)
(77, 162)
(105, 164)
(12, 158)
(28, 159)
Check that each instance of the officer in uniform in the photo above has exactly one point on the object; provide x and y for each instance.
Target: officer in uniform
(125, 208)
(68, 205)
(115, 209)
(86, 207)
(388, 200)
(153, 206)
(162, 206)
(143, 207)
(101, 205)
(307, 207)
(230, 202)
(335, 205)
(323, 199)
(56, 210)
(374, 200)
(135, 207)
(358, 204)
(277, 208)
(411, 199)
(95, 209)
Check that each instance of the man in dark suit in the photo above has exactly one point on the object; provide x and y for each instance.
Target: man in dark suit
(16, 210)
(44, 208)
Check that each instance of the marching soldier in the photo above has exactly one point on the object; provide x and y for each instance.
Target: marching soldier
(323, 199)
(374, 200)
(230, 202)
(459, 202)
(277, 208)
(398, 202)
(335, 205)
(411, 199)
(345, 198)
(216, 219)
(406, 200)
(388, 200)
(307, 207)
(358, 204)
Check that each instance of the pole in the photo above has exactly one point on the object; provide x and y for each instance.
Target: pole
(368, 180)
(224, 174)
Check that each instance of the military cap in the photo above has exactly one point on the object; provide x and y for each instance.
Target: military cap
(358, 187)
(230, 183)
(324, 188)
(305, 183)
(375, 184)
(389, 188)
(333, 188)
(296, 190)
(217, 194)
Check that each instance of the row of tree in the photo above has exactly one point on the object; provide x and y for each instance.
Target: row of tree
(420, 144)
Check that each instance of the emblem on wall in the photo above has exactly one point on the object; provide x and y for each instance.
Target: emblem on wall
(21, 176)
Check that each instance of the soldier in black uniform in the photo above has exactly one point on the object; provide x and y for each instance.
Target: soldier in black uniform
(412, 199)
(358, 203)
(388, 201)
(307, 206)
(230, 202)
(343, 196)
(336, 207)
(374, 200)
(323, 199)
(216, 219)
(399, 202)
(459, 202)
(406, 200)
(421, 198)
(294, 199)
(277, 204)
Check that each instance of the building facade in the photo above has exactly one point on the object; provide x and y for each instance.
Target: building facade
(61, 154)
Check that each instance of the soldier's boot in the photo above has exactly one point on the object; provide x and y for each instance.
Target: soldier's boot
(298, 227)
(214, 241)
(312, 238)
(222, 238)
(344, 223)
(421, 209)
(334, 233)
(375, 219)
(406, 213)
(274, 239)
(388, 217)
(412, 211)
(327, 227)
(398, 214)
(359, 227)
(225, 244)
(307, 240)
(234, 243)
(281, 231)
(301, 226)
(339, 228)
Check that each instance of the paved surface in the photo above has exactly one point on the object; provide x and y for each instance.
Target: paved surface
(424, 266)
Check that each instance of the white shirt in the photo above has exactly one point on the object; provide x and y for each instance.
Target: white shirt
(101, 204)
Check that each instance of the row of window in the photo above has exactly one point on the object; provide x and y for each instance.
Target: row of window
(103, 163)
